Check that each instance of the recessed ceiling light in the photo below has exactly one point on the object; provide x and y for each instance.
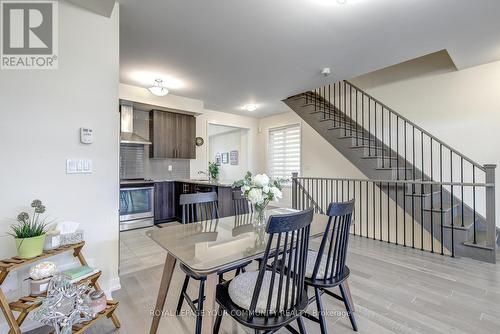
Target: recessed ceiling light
(341, 2)
(250, 107)
(158, 89)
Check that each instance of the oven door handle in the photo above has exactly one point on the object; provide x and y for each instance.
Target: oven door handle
(136, 188)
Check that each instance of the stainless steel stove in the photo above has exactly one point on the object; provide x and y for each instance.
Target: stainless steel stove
(136, 204)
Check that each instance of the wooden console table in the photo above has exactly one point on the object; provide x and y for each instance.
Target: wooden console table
(25, 305)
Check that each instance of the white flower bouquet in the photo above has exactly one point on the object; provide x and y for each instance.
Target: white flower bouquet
(259, 190)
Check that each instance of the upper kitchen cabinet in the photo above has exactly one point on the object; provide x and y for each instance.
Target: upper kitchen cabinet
(173, 135)
(186, 136)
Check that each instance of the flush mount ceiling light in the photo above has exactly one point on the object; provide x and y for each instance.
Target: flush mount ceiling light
(250, 107)
(145, 78)
(158, 88)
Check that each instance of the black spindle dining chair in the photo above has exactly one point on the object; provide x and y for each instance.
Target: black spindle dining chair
(267, 300)
(200, 207)
(243, 220)
(241, 204)
(327, 267)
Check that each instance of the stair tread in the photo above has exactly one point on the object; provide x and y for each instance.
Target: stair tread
(369, 147)
(445, 208)
(393, 168)
(436, 193)
(379, 157)
(297, 97)
(337, 120)
(326, 111)
(481, 239)
(347, 129)
(359, 138)
(457, 223)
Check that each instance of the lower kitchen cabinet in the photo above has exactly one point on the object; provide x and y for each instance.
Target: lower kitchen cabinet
(224, 194)
(165, 198)
(225, 201)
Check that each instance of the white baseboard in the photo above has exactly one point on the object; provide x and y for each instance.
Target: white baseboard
(112, 286)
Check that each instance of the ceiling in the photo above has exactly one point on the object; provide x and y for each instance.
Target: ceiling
(230, 53)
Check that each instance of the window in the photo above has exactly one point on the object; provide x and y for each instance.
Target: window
(284, 151)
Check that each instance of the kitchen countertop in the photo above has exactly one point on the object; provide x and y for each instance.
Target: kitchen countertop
(221, 183)
(136, 183)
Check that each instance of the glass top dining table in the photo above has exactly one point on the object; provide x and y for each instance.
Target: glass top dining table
(209, 247)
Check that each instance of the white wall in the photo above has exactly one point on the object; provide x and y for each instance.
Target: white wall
(216, 117)
(235, 140)
(462, 108)
(41, 113)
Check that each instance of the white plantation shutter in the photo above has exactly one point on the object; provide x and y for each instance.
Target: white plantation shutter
(284, 151)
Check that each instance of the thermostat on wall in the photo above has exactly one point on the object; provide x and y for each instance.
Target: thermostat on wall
(86, 136)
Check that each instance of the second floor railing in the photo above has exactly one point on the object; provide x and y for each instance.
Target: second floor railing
(413, 152)
(397, 211)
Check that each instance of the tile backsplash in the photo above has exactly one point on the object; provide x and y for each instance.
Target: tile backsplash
(131, 161)
(156, 169)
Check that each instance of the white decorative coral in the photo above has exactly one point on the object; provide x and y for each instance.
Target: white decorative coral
(43, 270)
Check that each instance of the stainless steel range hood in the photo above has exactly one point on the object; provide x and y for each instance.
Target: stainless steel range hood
(127, 135)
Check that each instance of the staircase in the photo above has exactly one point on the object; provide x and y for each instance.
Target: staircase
(449, 195)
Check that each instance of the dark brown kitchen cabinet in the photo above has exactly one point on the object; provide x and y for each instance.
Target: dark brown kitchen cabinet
(224, 196)
(173, 135)
(186, 136)
(165, 201)
(225, 201)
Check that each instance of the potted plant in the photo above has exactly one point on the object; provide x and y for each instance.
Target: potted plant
(213, 171)
(259, 190)
(29, 232)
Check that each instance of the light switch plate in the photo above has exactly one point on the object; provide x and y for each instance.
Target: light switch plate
(170, 168)
(78, 166)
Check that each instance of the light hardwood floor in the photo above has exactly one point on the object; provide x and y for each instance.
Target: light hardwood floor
(395, 289)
